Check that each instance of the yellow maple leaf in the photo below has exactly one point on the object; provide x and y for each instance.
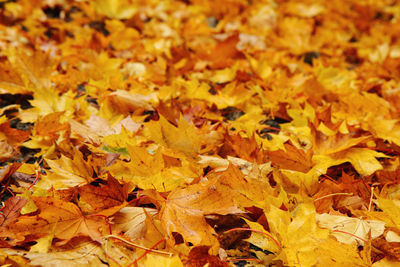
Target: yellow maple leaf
(296, 232)
(262, 238)
(363, 159)
(183, 138)
(332, 253)
(391, 210)
(148, 169)
(116, 9)
(44, 243)
(162, 261)
(67, 172)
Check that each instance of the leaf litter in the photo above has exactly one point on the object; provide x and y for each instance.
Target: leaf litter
(199, 133)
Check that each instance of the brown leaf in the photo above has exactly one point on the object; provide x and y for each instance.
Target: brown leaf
(6, 151)
(198, 257)
(391, 249)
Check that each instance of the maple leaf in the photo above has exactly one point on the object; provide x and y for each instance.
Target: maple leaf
(47, 131)
(292, 158)
(246, 148)
(131, 221)
(119, 9)
(296, 233)
(7, 151)
(349, 230)
(125, 101)
(391, 249)
(67, 171)
(8, 257)
(262, 238)
(11, 210)
(329, 251)
(33, 69)
(391, 209)
(184, 209)
(44, 243)
(103, 197)
(101, 127)
(10, 81)
(330, 194)
(67, 218)
(84, 254)
(85, 132)
(8, 171)
(172, 99)
(153, 260)
(198, 256)
(363, 159)
(12, 135)
(183, 138)
(152, 170)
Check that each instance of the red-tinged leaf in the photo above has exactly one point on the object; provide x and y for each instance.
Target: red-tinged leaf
(12, 207)
(14, 136)
(199, 256)
(65, 218)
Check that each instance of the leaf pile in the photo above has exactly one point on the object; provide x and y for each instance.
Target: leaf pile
(186, 133)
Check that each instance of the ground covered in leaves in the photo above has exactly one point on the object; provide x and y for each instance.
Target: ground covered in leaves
(186, 133)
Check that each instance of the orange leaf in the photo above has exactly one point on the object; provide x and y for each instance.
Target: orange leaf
(199, 257)
(11, 210)
(67, 218)
(14, 136)
(223, 193)
(292, 159)
(100, 198)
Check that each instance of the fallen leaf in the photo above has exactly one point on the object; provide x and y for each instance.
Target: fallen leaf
(198, 256)
(292, 158)
(119, 9)
(103, 197)
(183, 138)
(67, 218)
(131, 221)
(67, 172)
(11, 210)
(158, 260)
(350, 230)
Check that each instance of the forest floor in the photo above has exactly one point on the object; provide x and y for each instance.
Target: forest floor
(186, 133)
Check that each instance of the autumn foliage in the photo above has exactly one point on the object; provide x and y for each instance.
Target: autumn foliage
(199, 133)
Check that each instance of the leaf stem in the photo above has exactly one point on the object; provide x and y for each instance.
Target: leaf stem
(146, 252)
(340, 231)
(334, 194)
(256, 231)
(139, 246)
